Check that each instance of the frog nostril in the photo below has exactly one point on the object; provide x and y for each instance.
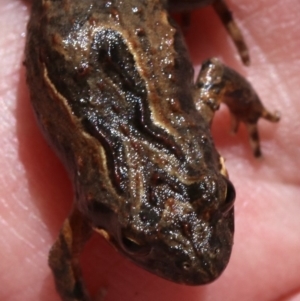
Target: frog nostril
(186, 266)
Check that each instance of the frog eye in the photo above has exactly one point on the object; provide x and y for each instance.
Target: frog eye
(230, 197)
(133, 247)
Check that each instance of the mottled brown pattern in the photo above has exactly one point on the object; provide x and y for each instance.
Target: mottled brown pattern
(112, 87)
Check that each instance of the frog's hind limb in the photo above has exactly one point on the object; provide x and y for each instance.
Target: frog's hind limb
(216, 84)
(233, 30)
(225, 15)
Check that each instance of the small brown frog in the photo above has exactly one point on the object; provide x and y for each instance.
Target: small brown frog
(112, 88)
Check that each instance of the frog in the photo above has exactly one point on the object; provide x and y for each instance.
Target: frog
(113, 91)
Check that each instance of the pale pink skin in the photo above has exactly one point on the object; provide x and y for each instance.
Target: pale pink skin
(36, 194)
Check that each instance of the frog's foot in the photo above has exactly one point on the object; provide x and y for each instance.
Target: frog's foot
(64, 258)
(253, 129)
(218, 84)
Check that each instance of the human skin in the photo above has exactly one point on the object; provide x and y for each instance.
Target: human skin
(36, 195)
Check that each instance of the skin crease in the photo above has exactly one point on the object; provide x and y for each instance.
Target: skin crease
(36, 196)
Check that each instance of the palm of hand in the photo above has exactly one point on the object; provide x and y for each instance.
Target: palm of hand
(36, 195)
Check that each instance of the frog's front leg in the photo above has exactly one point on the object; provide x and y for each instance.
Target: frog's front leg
(64, 257)
(217, 83)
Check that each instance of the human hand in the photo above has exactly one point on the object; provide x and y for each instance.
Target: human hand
(36, 195)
